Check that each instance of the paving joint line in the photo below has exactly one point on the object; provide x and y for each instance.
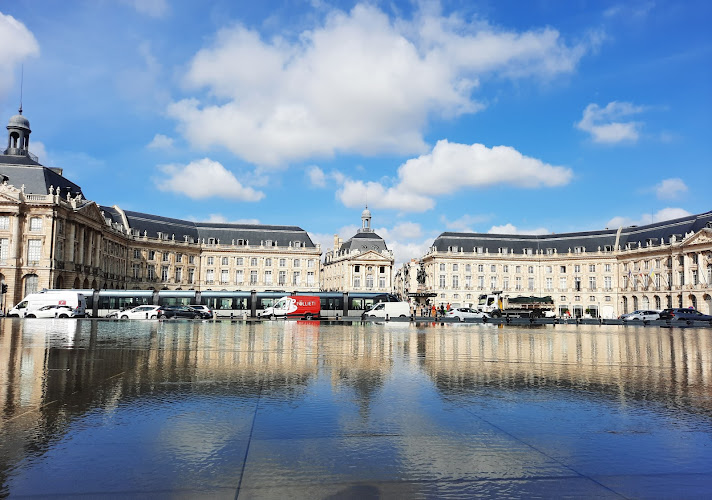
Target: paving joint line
(545, 454)
(249, 442)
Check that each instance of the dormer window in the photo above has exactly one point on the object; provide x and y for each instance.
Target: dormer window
(503, 250)
(579, 249)
(528, 251)
(479, 250)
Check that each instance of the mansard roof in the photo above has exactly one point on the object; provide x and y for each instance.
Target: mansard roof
(492, 243)
(37, 179)
(661, 232)
(252, 234)
(653, 234)
(363, 241)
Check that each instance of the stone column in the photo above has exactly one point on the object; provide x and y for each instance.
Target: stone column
(80, 240)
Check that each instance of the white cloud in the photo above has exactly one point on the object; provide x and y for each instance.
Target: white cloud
(465, 223)
(38, 149)
(661, 215)
(316, 176)
(151, 8)
(355, 194)
(221, 219)
(361, 82)
(160, 141)
(512, 229)
(204, 179)
(449, 168)
(602, 125)
(18, 44)
(670, 189)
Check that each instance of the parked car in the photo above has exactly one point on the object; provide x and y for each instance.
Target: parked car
(643, 314)
(681, 314)
(465, 313)
(53, 311)
(207, 312)
(140, 312)
(171, 312)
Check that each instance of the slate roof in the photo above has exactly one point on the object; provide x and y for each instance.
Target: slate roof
(364, 241)
(562, 242)
(36, 178)
(659, 231)
(253, 234)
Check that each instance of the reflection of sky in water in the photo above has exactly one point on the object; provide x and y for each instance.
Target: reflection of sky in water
(173, 404)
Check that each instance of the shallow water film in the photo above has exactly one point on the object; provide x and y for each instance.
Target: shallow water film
(353, 410)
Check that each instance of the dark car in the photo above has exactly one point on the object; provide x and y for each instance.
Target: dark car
(682, 314)
(169, 312)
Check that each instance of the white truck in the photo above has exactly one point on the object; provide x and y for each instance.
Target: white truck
(32, 302)
(497, 305)
(388, 309)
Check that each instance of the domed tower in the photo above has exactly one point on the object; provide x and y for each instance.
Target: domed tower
(366, 221)
(18, 138)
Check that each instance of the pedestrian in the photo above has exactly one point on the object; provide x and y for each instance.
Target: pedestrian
(448, 307)
(442, 310)
(433, 311)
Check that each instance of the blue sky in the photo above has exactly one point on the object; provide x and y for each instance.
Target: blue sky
(494, 116)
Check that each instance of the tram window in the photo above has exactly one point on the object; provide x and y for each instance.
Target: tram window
(266, 302)
(332, 303)
(175, 301)
(122, 302)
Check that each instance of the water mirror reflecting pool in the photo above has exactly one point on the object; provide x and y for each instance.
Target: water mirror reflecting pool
(367, 410)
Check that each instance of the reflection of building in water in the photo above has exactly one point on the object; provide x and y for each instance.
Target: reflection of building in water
(646, 362)
(53, 372)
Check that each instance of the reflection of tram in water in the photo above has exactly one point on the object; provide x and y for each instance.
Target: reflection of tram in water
(101, 303)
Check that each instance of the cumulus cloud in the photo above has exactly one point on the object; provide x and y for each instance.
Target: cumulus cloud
(465, 223)
(512, 229)
(605, 126)
(670, 189)
(221, 219)
(151, 8)
(160, 141)
(204, 179)
(360, 82)
(451, 167)
(661, 215)
(18, 45)
(355, 194)
(316, 176)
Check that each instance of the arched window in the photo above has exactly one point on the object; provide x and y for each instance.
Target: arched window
(645, 303)
(31, 283)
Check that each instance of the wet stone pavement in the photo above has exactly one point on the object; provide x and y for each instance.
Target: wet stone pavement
(288, 409)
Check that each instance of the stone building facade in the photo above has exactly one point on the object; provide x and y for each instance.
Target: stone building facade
(362, 263)
(51, 236)
(599, 273)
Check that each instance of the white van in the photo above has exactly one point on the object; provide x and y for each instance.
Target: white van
(34, 301)
(390, 309)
